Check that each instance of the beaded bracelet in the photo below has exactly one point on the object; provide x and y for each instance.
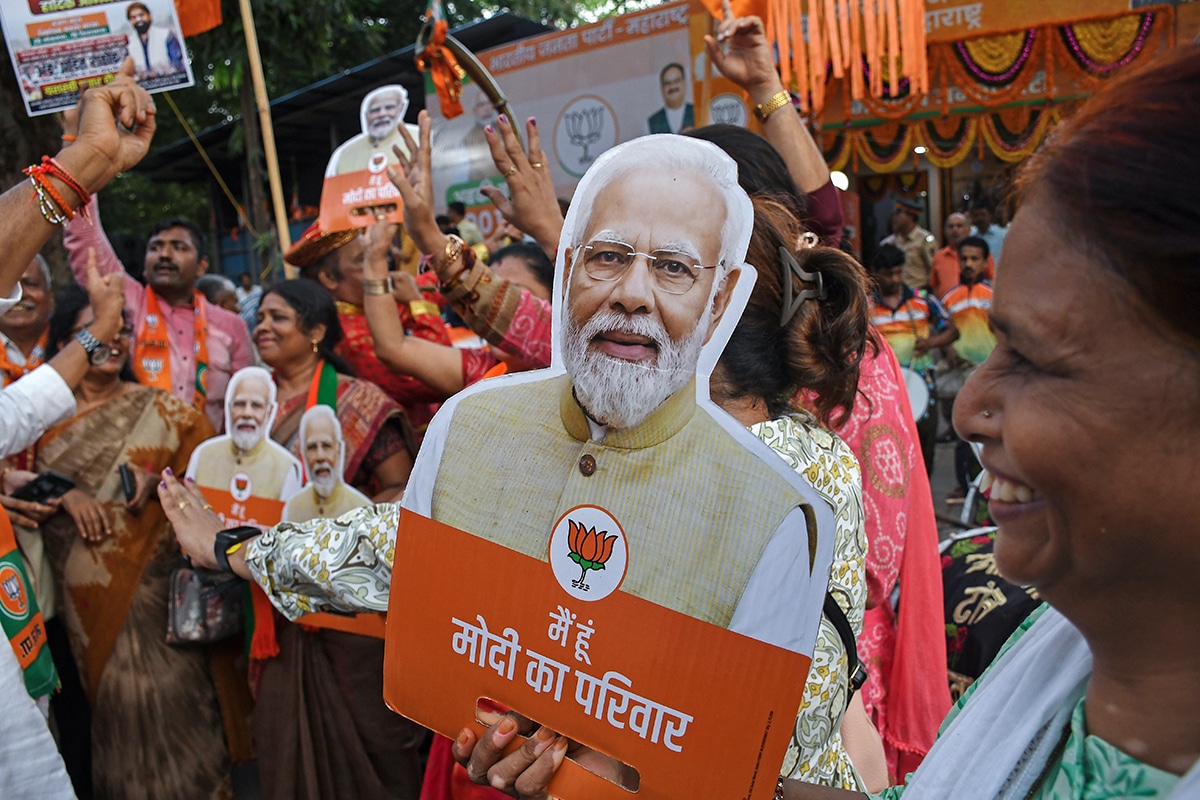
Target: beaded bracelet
(51, 203)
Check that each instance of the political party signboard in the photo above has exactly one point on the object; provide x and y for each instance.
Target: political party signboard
(59, 47)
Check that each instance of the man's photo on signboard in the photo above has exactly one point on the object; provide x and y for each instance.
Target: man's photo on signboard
(676, 115)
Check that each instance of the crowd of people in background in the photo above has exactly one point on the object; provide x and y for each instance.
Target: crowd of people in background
(114, 381)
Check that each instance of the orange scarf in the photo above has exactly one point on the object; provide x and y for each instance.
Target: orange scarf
(12, 371)
(152, 350)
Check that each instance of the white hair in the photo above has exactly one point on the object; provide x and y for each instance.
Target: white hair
(251, 372)
(391, 88)
(231, 388)
(45, 268)
(323, 489)
(671, 154)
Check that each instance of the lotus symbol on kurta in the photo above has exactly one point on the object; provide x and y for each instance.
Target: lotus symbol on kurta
(589, 549)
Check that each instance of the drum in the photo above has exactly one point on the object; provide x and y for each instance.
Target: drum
(922, 398)
(918, 392)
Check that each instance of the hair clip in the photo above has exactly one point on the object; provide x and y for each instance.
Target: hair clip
(790, 268)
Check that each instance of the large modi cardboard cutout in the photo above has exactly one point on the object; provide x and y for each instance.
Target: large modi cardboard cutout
(651, 588)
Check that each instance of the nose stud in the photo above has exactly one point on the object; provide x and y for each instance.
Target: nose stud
(986, 413)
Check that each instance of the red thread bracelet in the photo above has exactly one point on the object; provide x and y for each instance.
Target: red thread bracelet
(59, 171)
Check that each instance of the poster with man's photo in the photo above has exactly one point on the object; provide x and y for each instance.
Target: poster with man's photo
(59, 47)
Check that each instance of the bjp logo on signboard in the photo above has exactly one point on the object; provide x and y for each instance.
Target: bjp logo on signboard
(588, 553)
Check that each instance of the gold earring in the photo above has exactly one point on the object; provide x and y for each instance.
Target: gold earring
(315, 345)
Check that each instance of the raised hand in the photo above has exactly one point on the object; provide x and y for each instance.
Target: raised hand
(532, 204)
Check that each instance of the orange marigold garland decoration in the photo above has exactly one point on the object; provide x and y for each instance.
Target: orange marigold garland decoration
(820, 37)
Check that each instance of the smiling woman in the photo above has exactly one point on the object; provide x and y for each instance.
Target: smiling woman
(111, 559)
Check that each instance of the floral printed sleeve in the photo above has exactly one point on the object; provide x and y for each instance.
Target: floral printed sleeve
(816, 753)
(341, 565)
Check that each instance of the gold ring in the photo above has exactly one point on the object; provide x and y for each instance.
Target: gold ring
(536, 164)
(207, 507)
(380, 217)
(511, 170)
(183, 504)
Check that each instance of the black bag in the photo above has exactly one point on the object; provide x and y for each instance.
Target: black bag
(204, 606)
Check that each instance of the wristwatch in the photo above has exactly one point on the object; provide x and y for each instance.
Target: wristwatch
(776, 102)
(97, 351)
(229, 541)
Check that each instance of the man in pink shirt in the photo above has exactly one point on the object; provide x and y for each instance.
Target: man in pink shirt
(182, 343)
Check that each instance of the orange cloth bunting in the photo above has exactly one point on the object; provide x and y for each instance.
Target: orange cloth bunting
(443, 67)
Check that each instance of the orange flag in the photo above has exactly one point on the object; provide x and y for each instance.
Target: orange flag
(198, 16)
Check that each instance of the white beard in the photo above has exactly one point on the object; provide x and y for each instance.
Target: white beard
(324, 485)
(622, 393)
(245, 440)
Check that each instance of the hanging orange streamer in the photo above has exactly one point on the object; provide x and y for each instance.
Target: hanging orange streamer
(443, 68)
(816, 37)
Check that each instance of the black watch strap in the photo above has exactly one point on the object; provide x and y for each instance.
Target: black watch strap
(229, 537)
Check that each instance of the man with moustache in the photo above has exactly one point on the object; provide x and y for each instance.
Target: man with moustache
(245, 461)
(154, 50)
(650, 253)
(943, 274)
(182, 343)
(382, 112)
(25, 326)
(326, 495)
(675, 115)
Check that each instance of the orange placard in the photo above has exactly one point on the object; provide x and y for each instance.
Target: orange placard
(257, 511)
(698, 710)
(352, 199)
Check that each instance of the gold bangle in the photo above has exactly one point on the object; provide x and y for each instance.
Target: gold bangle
(451, 253)
(418, 307)
(377, 286)
(777, 101)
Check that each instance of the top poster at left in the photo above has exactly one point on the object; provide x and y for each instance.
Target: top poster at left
(61, 46)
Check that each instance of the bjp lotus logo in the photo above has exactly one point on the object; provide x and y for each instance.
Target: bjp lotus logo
(12, 592)
(240, 486)
(589, 549)
(588, 539)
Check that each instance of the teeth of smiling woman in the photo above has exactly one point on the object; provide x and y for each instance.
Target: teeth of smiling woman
(1008, 491)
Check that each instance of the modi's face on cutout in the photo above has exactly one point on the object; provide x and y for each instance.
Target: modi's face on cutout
(644, 292)
(322, 448)
(383, 114)
(248, 412)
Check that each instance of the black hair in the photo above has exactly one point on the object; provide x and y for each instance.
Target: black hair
(1116, 175)
(983, 203)
(975, 241)
(761, 170)
(441, 219)
(887, 256)
(673, 65)
(819, 349)
(533, 256)
(198, 239)
(458, 208)
(68, 305)
(314, 306)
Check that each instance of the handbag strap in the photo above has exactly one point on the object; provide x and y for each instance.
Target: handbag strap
(854, 667)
